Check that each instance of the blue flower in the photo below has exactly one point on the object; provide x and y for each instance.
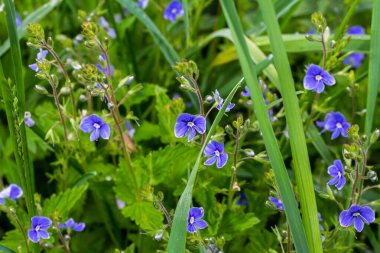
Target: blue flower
(194, 220)
(189, 124)
(354, 59)
(173, 10)
(277, 203)
(337, 172)
(357, 215)
(13, 192)
(18, 20)
(28, 119)
(104, 23)
(246, 93)
(130, 129)
(70, 223)
(97, 126)
(142, 3)
(242, 201)
(215, 150)
(41, 55)
(316, 78)
(39, 226)
(335, 123)
(104, 70)
(220, 102)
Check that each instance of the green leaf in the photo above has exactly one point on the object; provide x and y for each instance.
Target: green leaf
(145, 215)
(64, 202)
(147, 131)
(235, 222)
(13, 241)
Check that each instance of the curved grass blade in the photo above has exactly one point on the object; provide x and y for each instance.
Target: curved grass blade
(295, 127)
(373, 70)
(178, 233)
(6, 250)
(168, 51)
(275, 157)
(31, 18)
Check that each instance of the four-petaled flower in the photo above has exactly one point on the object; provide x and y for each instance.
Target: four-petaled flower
(28, 119)
(335, 123)
(357, 215)
(215, 150)
(277, 203)
(104, 23)
(104, 70)
(219, 100)
(337, 172)
(39, 226)
(41, 55)
(97, 126)
(194, 220)
(173, 10)
(354, 59)
(316, 78)
(186, 123)
(70, 223)
(13, 192)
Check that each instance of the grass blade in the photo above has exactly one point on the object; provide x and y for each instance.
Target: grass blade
(297, 138)
(178, 233)
(373, 70)
(168, 51)
(31, 18)
(282, 178)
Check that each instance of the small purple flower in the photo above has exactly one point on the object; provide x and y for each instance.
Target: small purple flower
(219, 100)
(39, 226)
(18, 20)
(277, 203)
(316, 78)
(242, 201)
(189, 124)
(215, 150)
(354, 59)
(41, 55)
(246, 93)
(194, 220)
(173, 10)
(97, 126)
(104, 23)
(357, 215)
(13, 192)
(335, 123)
(337, 172)
(28, 119)
(120, 204)
(70, 223)
(143, 3)
(105, 69)
(131, 130)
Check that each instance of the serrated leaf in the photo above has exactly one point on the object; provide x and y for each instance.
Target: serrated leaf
(13, 240)
(145, 215)
(64, 202)
(234, 222)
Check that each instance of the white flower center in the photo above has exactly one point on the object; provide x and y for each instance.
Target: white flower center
(318, 77)
(192, 220)
(339, 174)
(37, 228)
(174, 10)
(356, 214)
(190, 124)
(96, 125)
(338, 125)
(217, 153)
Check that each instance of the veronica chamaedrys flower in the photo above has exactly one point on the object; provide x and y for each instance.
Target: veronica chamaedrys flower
(18, 20)
(358, 215)
(337, 172)
(336, 123)
(13, 192)
(28, 119)
(277, 203)
(194, 220)
(219, 100)
(242, 201)
(39, 226)
(70, 223)
(316, 78)
(173, 10)
(104, 23)
(354, 59)
(97, 126)
(189, 124)
(246, 93)
(130, 129)
(41, 55)
(215, 150)
(104, 70)
(143, 3)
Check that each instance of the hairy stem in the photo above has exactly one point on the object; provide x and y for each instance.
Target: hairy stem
(14, 215)
(62, 239)
(233, 170)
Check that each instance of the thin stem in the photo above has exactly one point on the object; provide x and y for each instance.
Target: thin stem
(62, 67)
(207, 246)
(233, 170)
(209, 110)
(166, 213)
(14, 215)
(56, 99)
(62, 239)
(355, 182)
(200, 101)
(364, 153)
(324, 51)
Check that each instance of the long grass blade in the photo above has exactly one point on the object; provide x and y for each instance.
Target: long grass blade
(373, 70)
(33, 17)
(178, 233)
(295, 127)
(282, 178)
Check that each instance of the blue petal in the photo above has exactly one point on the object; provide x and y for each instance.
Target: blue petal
(210, 161)
(15, 191)
(339, 166)
(180, 129)
(309, 82)
(201, 224)
(191, 228)
(333, 181)
(111, 32)
(367, 214)
(87, 125)
(44, 222)
(332, 170)
(43, 234)
(79, 227)
(358, 224)
(95, 135)
(356, 30)
(196, 212)
(320, 87)
(327, 78)
(34, 67)
(335, 133)
(200, 124)
(105, 131)
(345, 218)
(209, 149)
(341, 183)
(33, 236)
(222, 160)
